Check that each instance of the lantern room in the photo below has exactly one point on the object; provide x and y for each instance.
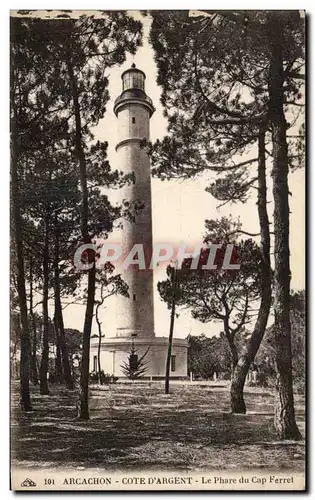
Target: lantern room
(133, 78)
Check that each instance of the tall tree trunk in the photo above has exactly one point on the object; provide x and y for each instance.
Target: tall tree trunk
(25, 332)
(34, 369)
(58, 363)
(85, 363)
(99, 358)
(34, 372)
(170, 338)
(99, 344)
(60, 329)
(246, 359)
(43, 371)
(284, 420)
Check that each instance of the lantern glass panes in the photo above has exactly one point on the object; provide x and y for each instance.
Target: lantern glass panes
(138, 81)
(133, 80)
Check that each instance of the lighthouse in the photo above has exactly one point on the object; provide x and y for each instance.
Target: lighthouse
(133, 108)
(135, 325)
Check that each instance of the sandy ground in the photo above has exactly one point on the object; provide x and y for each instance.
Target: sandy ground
(137, 426)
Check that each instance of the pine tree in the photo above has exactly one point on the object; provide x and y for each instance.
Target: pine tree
(71, 96)
(135, 367)
(104, 46)
(230, 80)
(29, 105)
(219, 295)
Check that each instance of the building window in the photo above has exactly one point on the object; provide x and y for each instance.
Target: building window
(94, 363)
(133, 119)
(134, 297)
(173, 363)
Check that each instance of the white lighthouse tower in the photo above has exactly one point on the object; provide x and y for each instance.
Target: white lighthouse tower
(135, 314)
(134, 109)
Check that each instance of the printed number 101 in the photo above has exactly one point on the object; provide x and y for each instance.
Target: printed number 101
(49, 481)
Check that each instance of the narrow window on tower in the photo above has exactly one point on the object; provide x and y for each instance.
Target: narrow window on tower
(134, 297)
(173, 363)
(133, 120)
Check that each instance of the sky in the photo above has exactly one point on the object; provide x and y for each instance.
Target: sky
(179, 208)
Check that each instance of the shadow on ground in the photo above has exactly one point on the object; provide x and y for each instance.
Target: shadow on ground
(139, 427)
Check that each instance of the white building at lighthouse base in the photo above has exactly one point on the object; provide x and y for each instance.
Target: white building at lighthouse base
(116, 350)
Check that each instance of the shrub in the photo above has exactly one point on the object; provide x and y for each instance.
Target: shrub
(106, 378)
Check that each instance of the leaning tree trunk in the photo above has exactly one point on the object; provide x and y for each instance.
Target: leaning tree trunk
(284, 420)
(43, 371)
(34, 372)
(234, 355)
(85, 362)
(24, 332)
(246, 359)
(60, 329)
(231, 341)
